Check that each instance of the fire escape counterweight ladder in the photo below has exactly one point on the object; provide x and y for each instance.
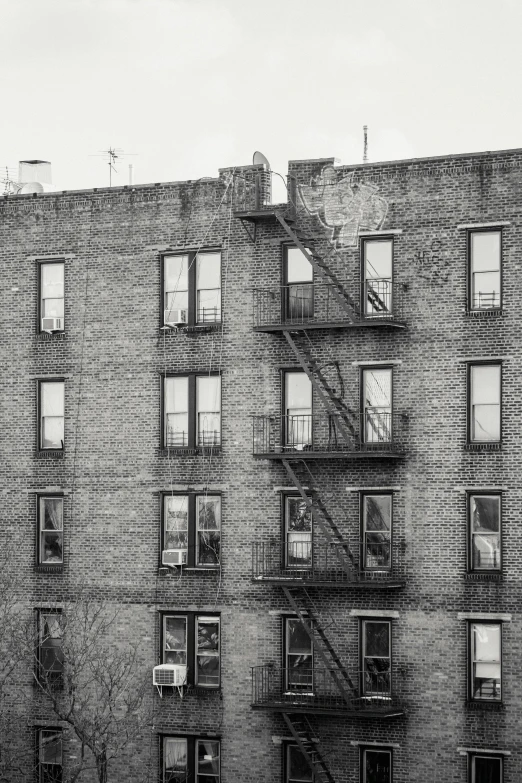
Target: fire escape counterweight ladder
(301, 731)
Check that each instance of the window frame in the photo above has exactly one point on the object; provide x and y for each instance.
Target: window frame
(192, 527)
(286, 310)
(362, 403)
(287, 744)
(192, 411)
(363, 656)
(192, 741)
(286, 668)
(469, 245)
(40, 417)
(472, 755)
(286, 496)
(38, 732)
(364, 241)
(470, 405)
(48, 675)
(40, 516)
(191, 619)
(363, 495)
(470, 494)
(471, 698)
(40, 315)
(375, 749)
(285, 371)
(192, 290)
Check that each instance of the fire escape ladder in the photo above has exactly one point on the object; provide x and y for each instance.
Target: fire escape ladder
(335, 407)
(326, 524)
(302, 605)
(320, 267)
(302, 732)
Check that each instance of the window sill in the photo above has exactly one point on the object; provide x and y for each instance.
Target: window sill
(49, 568)
(484, 576)
(491, 706)
(192, 329)
(43, 454)
(165, 571)
(174, 451)
(494, 312)
(483, 447)
(50, 336)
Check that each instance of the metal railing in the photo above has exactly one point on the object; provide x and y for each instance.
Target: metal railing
(371, 431)
(180, 439)
(310, 561)
(486, 300)
(315, 689)
(308, 303)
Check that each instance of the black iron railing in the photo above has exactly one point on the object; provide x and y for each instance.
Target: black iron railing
(308, 303)
(180, 439)
(486, 300)
(314, 689)
(373, 561)
(371, 431)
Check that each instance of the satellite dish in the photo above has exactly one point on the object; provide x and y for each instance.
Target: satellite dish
(260, 160)
(36, 187)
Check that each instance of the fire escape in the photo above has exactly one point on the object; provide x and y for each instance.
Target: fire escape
(339, 433)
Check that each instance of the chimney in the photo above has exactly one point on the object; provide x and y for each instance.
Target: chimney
(34, 171)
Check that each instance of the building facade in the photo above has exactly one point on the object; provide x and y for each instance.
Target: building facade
(280, 441)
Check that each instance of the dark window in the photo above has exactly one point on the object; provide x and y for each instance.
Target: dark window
(376, 657)
(52, 296)
(377, 404)
(376, 531)
(51, 415)
(298, 532)
(378, 277)
(485, 254)
(485, 403)
(191, 529)
(486, 661)
(485, 769)
(376, 765)
(50, 651)
(49, 755)
(297, 769)
(298, 277)
(50, 530)
(192, 288)
(192, 411)
(298, 656)
(190, 758)
(484, 532)
(192, 640)
(297, 410)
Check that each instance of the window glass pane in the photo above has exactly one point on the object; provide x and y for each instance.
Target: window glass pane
(175, 633)
(176, 273)
(176, 411)
(52, 308)
(52, 281)
(486, 289)
(297, 766)
(377, 639)
(485, 251)
(176, 523)
(298, 523)
(208, 758)
(51, 510)
(51, 747)
(377, 531)
(485, 384)
(378, 259)
(208, 403)
(52, 398)
(377, 766)
(298, 267)
(208, 517)
(378, 388)
(485, 513)
(207, 647)
(298, 391)
(175, 759)
(486, 770)
(208, 270)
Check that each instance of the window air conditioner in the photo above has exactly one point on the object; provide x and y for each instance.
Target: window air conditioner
(174, 557)
(52, 324)
(175, 317)
(172, 675)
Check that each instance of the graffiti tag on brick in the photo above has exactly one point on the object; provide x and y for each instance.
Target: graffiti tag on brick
(432, 265)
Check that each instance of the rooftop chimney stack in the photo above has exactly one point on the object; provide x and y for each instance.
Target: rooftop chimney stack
(34, 171)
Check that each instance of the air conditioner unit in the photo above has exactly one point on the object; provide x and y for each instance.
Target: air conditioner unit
(173, 675)
(174, 557)
(175, 317)
(52, 324)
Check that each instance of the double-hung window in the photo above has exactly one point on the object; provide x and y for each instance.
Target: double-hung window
(484, 511)
(297, 532)
(377, 423)
(378, 277)
(485, 661)
(52, 296)
(192, 411)
(297, 419)
(298, 275)
(298, 656)
(50, 530)
(376, 531)
(191, 530)
(485, 403)
(191, 758)
(376, 657)
(50, 648)
(49, 755)
(485, 255)
(485, 768)
(192, 288)
(297, 768)
(376, 765)
(193, 640)
(52, 415)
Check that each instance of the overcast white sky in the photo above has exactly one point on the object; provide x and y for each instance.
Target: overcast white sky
(190, 86)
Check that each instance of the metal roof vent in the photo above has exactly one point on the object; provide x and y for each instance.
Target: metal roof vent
(34, 176)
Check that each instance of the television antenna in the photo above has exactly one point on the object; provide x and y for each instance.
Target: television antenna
(7, 177)
(365, 148)
(112, 155)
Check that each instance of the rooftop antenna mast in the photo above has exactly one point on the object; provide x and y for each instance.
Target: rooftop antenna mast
(10, 183)
(113, 153)
(365, 152)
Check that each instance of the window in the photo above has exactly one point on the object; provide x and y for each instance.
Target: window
(376, 765)
(377, 404)
(485, 396)
(192, 288)
(192, 529)
(191, 758)
(298, 532)
(49, 755)
(297, 769)
(485, 769)
(486, 661)
(378, 277)
(298, 656)
(376, 532)
(485, 253)
(376, 657)
(298, 410)
(192, 411)
(50, 530)
(298, 275)
(51, 406)
(50, 652)
(52, 296)
(484, 532)
(193, 640)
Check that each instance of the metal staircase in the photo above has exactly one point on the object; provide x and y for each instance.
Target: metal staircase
(302, 732)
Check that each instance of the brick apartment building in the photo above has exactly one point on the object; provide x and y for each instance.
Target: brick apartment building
(284, 438)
